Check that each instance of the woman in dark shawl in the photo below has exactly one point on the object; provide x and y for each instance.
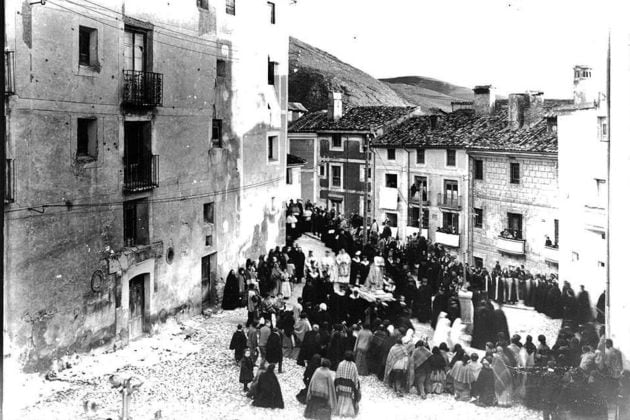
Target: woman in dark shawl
(313, 364)
(484, 385)
(321, 398)
(336, 347)
(437, 378)
(231, 295)
(421, 366)
(274, 349)
(376, 349)
(268, 393)
(499, 324)
(482, 327)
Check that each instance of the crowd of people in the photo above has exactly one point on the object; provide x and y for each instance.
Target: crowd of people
(354, 318)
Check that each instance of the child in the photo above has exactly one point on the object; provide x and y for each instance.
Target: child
(247, 370)
(238, 343)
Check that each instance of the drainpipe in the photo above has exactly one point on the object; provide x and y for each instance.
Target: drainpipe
(608, 92)
(368, 138)
(471, 186)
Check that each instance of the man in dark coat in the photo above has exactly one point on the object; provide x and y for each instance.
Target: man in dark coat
(298, 258)
(311, 345)
(601, 308)
(440, 304)
(482, 326)
(499, 324)
(422, 302)
(553, 302)
(238, 343)
(274, 349)
(584, 311)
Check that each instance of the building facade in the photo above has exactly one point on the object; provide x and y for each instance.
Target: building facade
(582, 157)
(333, 143)
(146, 159)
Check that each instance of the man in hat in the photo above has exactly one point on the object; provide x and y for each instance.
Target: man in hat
(355, 268)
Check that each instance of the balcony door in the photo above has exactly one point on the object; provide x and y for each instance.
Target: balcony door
(515, 225)
(138, 153)
(419, 189)
(135, 49)
(451, 193)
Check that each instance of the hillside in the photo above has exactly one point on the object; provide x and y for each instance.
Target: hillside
(313, 73)
(428, 92)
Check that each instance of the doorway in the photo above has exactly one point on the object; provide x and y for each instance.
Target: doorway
(208, 281)
(137, 305)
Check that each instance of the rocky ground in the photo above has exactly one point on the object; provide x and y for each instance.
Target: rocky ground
(189, 373)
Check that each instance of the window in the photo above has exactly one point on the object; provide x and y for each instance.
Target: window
(221, 68)
(391, 180)
(419, 189)
(425, 218)
(391, 154)
(141, 167)
(209, 240)
(135, 52)
(208, 213)
(414, 217)
(272, 68)
(361, 173)
(420, 156)
(393, 219)
(289, 176)
(515, 173)
(575, 256)
(335, 171)
(202, 4)
(451, 157)
(515, 225)
(600, 192)
(478, 218)
(451, 194)
(450, 223)
(322, 170)
(272, 148)
(88, 39)
(369, 208)
(602, 123)
(556, 232)
(217, 133)
(272, 12)
(478, 262)
(336, 142)
(86, 138)
(478, 165)
(136, 222)
(230, 7)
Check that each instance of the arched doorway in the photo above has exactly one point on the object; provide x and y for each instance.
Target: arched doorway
(137, 299)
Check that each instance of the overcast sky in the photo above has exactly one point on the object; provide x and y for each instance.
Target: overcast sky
(513, 44)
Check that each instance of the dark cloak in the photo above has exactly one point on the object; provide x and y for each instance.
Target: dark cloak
(268, 393)
(274, 348)
(499, 324)
(231, 294)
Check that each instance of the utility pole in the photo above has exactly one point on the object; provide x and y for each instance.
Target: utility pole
(368, 138)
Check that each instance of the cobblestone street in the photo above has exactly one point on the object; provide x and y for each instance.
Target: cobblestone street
(189, 373)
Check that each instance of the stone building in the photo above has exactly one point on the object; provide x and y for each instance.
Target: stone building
(583, 177)
(333, 144)
(421, 179)
(147, 158)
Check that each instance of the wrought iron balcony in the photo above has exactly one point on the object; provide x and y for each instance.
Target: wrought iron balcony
(450, 201)
(142, 88)
(142, 175)
(511, 246)
(9, 182)
(9, 72)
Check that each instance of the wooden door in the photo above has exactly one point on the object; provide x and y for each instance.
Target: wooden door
(208, 280)
(136, 306)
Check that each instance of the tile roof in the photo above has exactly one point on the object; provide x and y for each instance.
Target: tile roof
(293, 160)
(462, 129)
(361, 118)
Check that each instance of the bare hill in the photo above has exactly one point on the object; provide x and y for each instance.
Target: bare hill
(428, 92)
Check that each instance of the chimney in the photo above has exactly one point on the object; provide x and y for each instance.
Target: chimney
(517, 103)
(535, 108)
(335, 106)
(484, 99)
(582, 85)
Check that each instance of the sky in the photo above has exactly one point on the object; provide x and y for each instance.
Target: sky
(515, 45)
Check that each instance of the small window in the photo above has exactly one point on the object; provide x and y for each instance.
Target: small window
(208, 213)
(478, 218)
(336, 141)
(450, 223)
(272, 70)
(86, 138)
(272, 12)
(202, 4)
(230, 7)
(217, 133)
(87, 46)
(450, 157)
(478, 165)
(393, 219)
(515, 173)
(289, 176)
(322, 170)
(420, 156)
(603, 128)
(272, 148)
(221, 68)
(136, 222)
(335, 171)
(391, 180)
(391, 154)
(209, 240)
(425, 218)
(575, 256)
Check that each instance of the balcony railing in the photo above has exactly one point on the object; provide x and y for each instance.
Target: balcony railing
(448, 239)
(551, 254)
(142, 88)
(9, 72)
(450, 201)
(9, 182)
(143, 175)
(511, 246)
(417, 198)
